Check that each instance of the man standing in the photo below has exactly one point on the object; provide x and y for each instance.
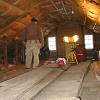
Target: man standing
(34, 40)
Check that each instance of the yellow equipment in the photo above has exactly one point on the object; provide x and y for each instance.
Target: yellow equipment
(72, 54)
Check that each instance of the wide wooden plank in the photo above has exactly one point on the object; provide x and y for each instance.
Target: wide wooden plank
(34, 90)
(90, 88)
(12, 88)
(67, 86)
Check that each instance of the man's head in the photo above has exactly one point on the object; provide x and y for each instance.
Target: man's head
(34, 19)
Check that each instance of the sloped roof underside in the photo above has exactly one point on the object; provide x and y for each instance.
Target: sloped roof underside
(16, 14)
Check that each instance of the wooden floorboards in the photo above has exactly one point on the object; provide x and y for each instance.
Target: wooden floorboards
(44, 83)
(67, 86)
(13, 88)
(90, 87)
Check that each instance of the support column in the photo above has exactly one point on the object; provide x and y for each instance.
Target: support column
(17, 53)
(5, 52)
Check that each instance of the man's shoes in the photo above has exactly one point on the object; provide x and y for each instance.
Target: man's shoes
(28, 67)
(35, 67)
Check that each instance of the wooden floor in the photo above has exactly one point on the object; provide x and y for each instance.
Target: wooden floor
(66, 86)
(90, 87)
(48, 82)
(13, 70)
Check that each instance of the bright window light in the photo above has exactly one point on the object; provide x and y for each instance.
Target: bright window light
(52, 43)
(88, 41)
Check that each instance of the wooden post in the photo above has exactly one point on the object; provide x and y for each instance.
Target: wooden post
(23, 54)
(5, 52)
(56, 32)
(17, 53)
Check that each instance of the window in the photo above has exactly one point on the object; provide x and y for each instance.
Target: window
(52, 43)
(88, 41)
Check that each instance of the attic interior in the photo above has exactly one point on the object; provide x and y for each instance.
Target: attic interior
(58, 19)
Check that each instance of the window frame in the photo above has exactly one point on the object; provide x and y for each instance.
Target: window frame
(90, 40)
(52, 45)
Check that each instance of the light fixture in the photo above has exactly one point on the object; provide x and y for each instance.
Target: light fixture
(66, 39)
(72, 39)
(75, 38)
